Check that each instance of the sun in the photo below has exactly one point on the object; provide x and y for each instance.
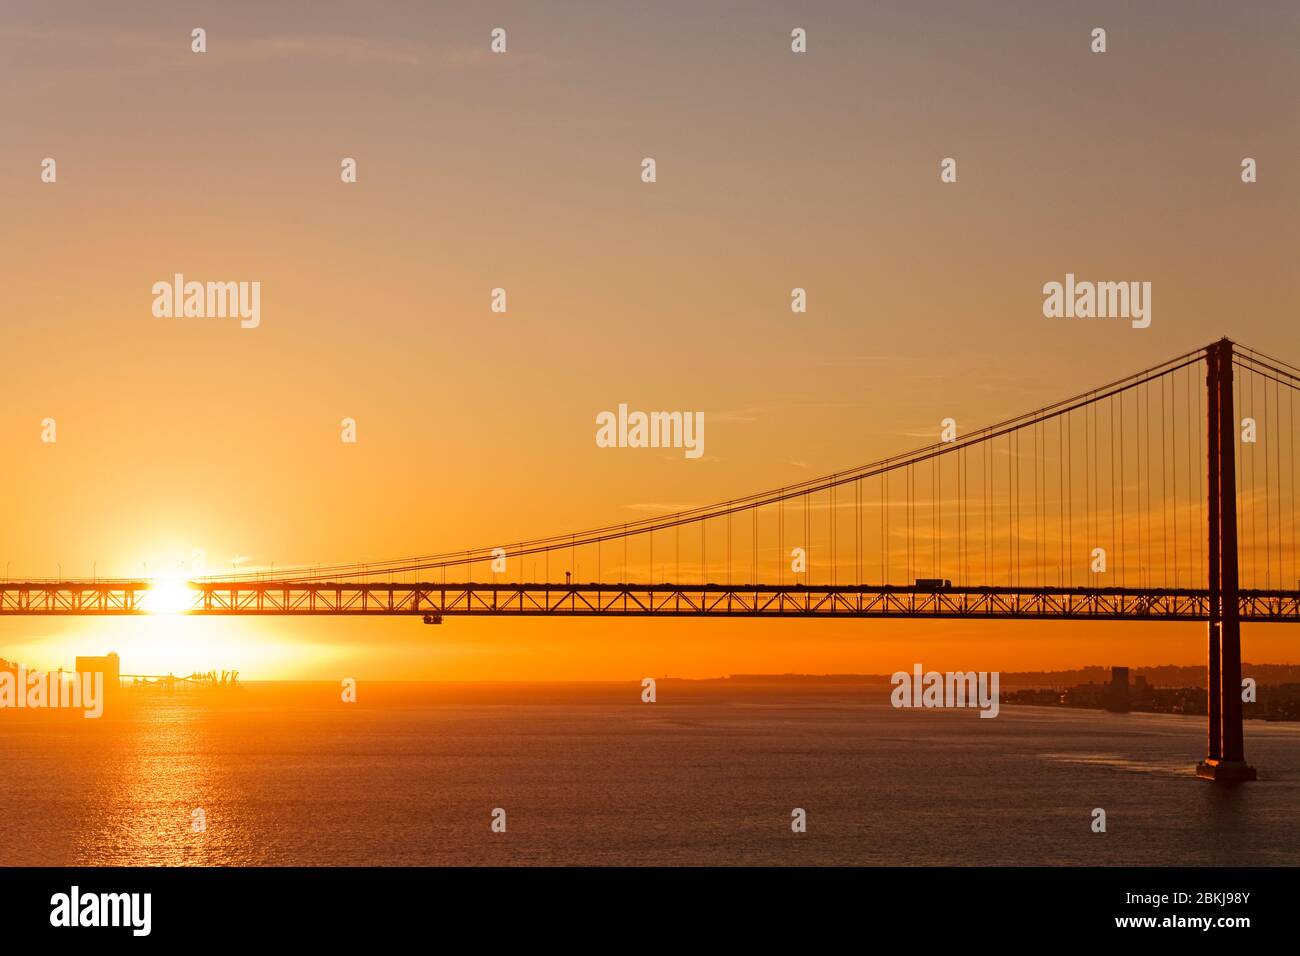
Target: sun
(168, 596)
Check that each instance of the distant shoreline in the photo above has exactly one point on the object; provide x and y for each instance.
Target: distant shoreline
(1165, 675)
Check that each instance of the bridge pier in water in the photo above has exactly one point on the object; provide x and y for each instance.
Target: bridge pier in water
(1225, 760)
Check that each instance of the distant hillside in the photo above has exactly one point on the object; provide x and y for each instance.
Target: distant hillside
(1163, 675)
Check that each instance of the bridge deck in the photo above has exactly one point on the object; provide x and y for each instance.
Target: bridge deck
(326, 598)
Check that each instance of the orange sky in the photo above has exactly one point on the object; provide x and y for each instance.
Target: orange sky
(522, 171)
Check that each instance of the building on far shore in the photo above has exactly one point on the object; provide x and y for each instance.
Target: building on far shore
(1117, 693)
(108, 665)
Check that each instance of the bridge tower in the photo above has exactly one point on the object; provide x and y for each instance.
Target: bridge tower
(1225, 760)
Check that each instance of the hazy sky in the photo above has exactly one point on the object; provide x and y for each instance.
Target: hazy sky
(522, 171)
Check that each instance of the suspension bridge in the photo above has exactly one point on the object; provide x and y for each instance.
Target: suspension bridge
(1167, 495)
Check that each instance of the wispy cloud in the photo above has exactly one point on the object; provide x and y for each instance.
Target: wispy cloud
(120, 51)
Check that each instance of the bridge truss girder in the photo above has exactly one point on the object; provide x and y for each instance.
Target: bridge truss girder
(243, 598)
